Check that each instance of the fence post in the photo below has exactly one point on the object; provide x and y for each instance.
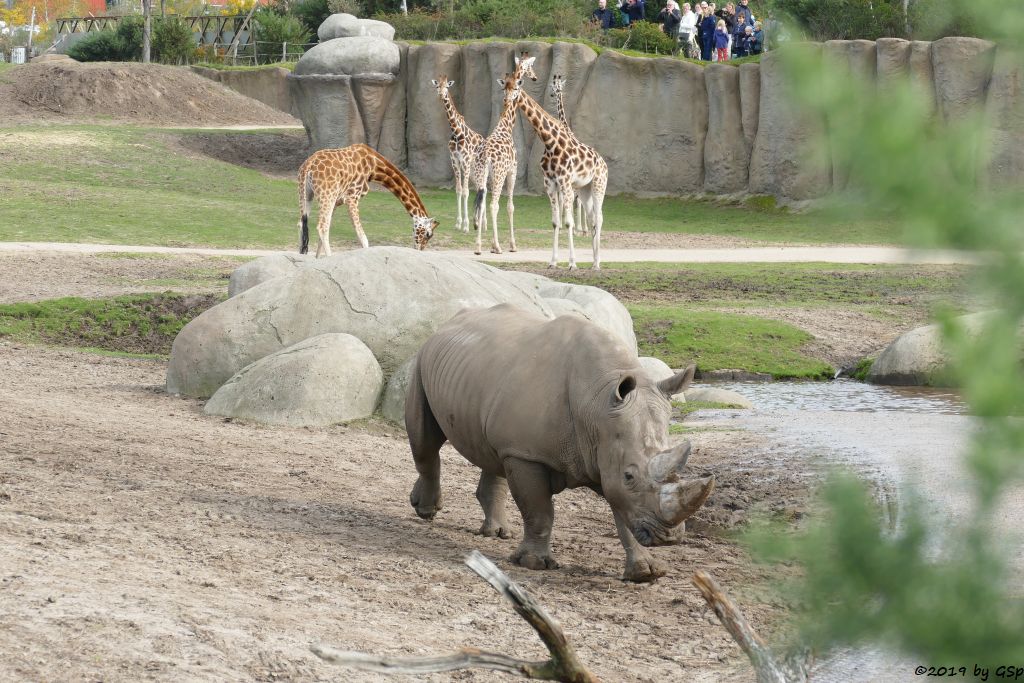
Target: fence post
(284, 52)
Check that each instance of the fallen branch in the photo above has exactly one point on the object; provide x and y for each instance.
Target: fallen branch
(767, 667)
(563, 666)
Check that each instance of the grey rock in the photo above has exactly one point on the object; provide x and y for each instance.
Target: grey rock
(734, 375)
(268, 85)
(320, 381)
(344, 25)
(392, 406)
(328, 109)
(565, 307)
(392, 142)
(391, 298)
(726, 154)
(665, 101)
(892, 61)
(750, 101)
(786, 161)
(962, 69)
(714, 395)
(349, 57)
(854, 59)
(919, 65)
(598, 306)
(918, 357)
(256, 272)
(1005, 116)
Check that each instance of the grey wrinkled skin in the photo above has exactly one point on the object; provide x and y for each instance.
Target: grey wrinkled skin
(543, 405)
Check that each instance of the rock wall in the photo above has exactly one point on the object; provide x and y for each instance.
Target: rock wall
(663, 125)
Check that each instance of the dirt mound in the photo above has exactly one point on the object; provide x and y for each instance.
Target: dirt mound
(123, 91)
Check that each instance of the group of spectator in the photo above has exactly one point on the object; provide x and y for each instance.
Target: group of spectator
(702, 30)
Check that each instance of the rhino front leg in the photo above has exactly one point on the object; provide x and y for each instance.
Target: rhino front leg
(492, 492)
(641, 567)
(530, 484)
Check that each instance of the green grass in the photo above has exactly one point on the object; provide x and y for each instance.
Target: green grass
(716, 341)
(689, 407)
(135, 325)
(129, 185)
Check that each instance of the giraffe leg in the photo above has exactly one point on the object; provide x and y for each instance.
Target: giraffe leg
(556, 220)
(323, 226)
(566, 196)
(495, 189)
(480, 216)
(510, 186)
(457, 176)
(353, 212)
(597, 189)
(465, 201)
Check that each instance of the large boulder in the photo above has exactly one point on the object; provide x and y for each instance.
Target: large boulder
(597, 305)
(349, 57)
(661, 101)
(250, 274)
(320, 381)
(391, 298)
(750, 102)
(854, 59)
(392, 405)
(918, 357)
(726, 154)
(716, 395)
(788, 160)
(962, 69)
(892, 61)
(344, 25)
(922, 76)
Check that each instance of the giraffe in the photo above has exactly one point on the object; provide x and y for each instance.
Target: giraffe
(343, 176)
(462, 146)
(557, 87)
(495, 162)
(567, 165)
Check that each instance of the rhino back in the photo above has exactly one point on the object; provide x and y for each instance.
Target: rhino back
(503, 381)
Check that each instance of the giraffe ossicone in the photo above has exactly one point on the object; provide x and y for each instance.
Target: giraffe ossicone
(343, 176)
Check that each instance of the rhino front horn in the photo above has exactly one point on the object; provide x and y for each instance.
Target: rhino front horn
(668, 465)
(679, 500)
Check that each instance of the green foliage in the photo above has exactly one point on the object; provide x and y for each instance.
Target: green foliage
(173, 42)
(934, 19)
(717, 340)
(311, 13)
(278, 29)
(939, 591)
(134, 324)
(688, 407)
(642, 36)
(129, 32)
(845, 19)
(102, 46)
(861, 370)
(346, 6)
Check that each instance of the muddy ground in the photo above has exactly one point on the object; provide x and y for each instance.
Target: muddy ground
(146, 541)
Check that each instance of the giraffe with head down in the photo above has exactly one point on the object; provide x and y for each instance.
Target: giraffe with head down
(343, 176)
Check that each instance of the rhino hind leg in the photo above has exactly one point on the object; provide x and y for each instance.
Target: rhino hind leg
(530, 484)
(425, 440)
(492, 492)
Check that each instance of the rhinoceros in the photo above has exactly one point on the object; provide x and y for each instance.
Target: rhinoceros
(543, 405)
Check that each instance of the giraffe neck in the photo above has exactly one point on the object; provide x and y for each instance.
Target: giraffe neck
(456, 120)
(507, 118)
(537, 117)
(560, 105)
(388, 175)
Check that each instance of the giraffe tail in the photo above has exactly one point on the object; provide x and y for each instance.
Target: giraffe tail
(305, 187)
(478, 203)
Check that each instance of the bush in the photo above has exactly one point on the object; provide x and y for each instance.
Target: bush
(846, 19)
(934, 19)
(311, 13)
(642, 36)
(276, 30)
(102, 46)
(173, 42)
(129, 32)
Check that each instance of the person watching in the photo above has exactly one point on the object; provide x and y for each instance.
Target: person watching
(603, 16)
(632, 10)
(688, 28)
(669, 18)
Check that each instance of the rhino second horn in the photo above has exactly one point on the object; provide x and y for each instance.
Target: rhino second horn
(679, 500)
(667, 465)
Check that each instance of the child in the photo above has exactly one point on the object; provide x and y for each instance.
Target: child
(721, 41)
(746, 47)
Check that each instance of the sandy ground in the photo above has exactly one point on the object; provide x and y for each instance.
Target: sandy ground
(144, 540)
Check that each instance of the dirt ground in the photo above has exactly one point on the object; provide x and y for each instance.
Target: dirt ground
(105, 92)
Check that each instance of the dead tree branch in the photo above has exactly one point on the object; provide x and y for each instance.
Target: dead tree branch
(563, 666)
(767, 667)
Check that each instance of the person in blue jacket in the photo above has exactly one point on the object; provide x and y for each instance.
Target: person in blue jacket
(707, 35)
(632, 10)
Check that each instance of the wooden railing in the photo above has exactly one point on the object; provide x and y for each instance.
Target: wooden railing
(211, 28)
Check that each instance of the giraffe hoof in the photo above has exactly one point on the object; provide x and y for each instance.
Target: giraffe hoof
(513, 248)
(496, 251)
(477, 253)
(552, 265)
(573, 266)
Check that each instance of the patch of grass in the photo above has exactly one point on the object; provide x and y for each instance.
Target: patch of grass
(685, 408)
(716, 341)
(129, 185)
(860, 372)
(137, 324)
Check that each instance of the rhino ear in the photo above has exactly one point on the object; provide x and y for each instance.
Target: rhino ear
(626, 385)
(678, 382)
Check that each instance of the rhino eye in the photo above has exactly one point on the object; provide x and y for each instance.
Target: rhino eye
(630, 476)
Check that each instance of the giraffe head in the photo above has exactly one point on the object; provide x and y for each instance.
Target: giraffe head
(512, 87)
(524, 67)
(557, 85)
(442, 84)
(422, 230)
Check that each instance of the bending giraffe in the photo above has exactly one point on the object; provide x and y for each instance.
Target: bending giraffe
(462, 147)
(568, 166)
(343, 176)
(495, 163)
(557, 88)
